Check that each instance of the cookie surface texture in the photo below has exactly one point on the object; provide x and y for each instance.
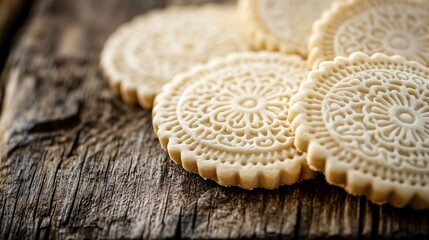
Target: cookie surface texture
(227, 120)
(392, 27)
(364, 122)
(283, 25)
(144, 54)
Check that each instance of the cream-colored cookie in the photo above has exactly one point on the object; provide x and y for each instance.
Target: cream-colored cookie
(144, 54)
(364, 122)
(283, 26)
(392, 27)
(227, 120)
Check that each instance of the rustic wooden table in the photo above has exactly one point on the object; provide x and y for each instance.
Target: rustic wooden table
(78, 163)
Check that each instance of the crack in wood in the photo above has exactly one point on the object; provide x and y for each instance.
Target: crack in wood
(60, 124)
(75, 189)
(10, 225)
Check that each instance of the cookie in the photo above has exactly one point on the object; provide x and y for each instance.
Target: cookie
(144, 54)
(227, 122)
(364, 122)
(283, 26)
(392, 27)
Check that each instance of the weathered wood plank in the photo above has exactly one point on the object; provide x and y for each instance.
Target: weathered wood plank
(78, 163)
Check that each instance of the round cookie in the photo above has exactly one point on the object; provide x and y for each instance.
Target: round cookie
(144, 54)
(283, 26)
(227, 120)
(364, 122)
(392, 27)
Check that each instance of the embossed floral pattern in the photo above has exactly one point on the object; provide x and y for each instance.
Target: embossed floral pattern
(381, 115)
(242, 108)
(150, 50)
(229, 117)
(392, 27)
(364, 121)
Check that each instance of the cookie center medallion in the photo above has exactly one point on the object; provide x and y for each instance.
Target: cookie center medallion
(250, 103)
(398, 41)
(405, 116)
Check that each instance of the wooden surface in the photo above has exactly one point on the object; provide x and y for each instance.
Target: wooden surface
(78, 163)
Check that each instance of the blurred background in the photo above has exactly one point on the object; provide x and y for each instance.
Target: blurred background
(15, 13)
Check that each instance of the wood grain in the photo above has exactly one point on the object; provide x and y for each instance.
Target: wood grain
(78, 163)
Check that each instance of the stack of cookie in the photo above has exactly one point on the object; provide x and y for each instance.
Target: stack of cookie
(340, 87)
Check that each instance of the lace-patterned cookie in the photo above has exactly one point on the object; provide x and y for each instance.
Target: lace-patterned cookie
(364, 122)
(392, 27)
(284, 25)
(227, 120)
(144, 54)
